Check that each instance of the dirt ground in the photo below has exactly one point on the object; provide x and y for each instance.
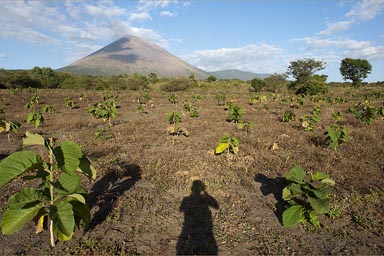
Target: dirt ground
(165, 195)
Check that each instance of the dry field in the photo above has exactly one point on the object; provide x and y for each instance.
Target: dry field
(142, 201)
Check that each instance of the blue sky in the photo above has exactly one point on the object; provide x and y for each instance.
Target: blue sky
(258, 36)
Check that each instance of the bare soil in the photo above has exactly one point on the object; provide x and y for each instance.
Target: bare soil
(163, 195)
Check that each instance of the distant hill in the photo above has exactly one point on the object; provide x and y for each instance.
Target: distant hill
(131, 54)
(237, 74)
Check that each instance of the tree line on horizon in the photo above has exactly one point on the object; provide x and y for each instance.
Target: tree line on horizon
(302, 70)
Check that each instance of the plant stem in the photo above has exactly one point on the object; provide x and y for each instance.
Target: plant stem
(51, 189)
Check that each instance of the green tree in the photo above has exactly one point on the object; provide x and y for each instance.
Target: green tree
(211, 78)
(257, 84)
(303, 70)
(355, 69)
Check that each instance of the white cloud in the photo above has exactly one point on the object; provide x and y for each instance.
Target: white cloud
(186, 3)
(366, 10)
(257, 58)
(140, 17)
(145, 5)
(363, 11)
(345, 48)
(168, 14)
(3, 56)
(336, 27)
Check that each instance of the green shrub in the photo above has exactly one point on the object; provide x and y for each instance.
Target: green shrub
(178, 84)
(257, 84)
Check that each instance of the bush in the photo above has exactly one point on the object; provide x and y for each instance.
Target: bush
(315, 85)
(257, 84)
(275, 82)
(178, 84)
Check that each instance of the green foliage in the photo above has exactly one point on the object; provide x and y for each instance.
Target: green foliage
(196, 98)
(143, 98)
(315, 85)
(152, 77)
(105, 109)
(69, 103)
(48, 109)
(174, 117)
(308, 122)
(339, 100)
(245, 126)
(316, 110)
(193, 113)
(275, 82)
(59, 200)
(336, 135)
(176, 129)
(36, 118)
(227, 144)
(172, 98)
(307, 196)
(257, 84)
(235, 113)
(9, 126)
(364, 112)
(187, 106)
(211, 78)
(303, 69)
(102, 134)
(220, 98)
(337, 116)
(355, 70)
(179, 84)
(288, 116)
(35, 99)
(141, 109)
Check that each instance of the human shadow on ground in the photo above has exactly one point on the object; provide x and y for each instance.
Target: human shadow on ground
(108, 189)
(273, 186)
(197, 237)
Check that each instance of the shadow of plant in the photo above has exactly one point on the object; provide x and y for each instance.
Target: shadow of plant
(106, 191)
(273, 186)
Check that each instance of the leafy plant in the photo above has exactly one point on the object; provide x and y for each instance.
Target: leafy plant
(35, 99)
(316, 110)
(101, 134)
(9, 126)
(176, 129)
(196, 97)
(36, 118)
(144, 98)
(174, 117)
(105, 109)
(307, 196)
(172, 98)
(59, 200)
(220, 98)
(187, 106)
(227, 144)
(141, 109)
(288, 116)
(337, 116)
(339, 100)
(364, 112)
(245, 125)
(48, 109)
(336, 135)
(69, 103)
(235, 113)
(308, 122)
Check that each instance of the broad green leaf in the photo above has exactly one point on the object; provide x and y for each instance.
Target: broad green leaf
(322, 193)
(68, 156)
(26, 197)
(82, 212)
(87, 168)
(345, 136)
(320, 176)
(221, 147)
(18, 163)
(77, 197)
(63, 220)
(287, 195)
(70, 182)
(235, 141)
(333, 134)
(316, 184)
(295, 189)
(14, 219)
(313, 219)
(30, 117)
(293, 215)
(296, 174)
(329, 182)
(321, 206)
(240, 126)
(33, 139)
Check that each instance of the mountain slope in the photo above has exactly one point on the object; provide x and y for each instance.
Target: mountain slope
(129, 55)
(237, 74)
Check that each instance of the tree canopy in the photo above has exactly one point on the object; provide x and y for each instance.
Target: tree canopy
(355, 69)
(303, 69)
